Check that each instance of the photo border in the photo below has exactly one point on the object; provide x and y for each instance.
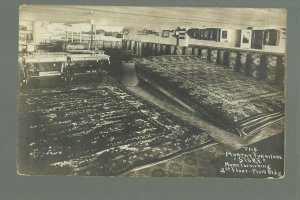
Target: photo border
(59, 187)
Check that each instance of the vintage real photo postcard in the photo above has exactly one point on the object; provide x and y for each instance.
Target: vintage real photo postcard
(151, 91)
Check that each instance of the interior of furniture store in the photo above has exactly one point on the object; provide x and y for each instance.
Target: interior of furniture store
(147, 91)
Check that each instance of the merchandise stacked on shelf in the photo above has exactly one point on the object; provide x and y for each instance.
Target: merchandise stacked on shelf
(227, 98)
(102, 130)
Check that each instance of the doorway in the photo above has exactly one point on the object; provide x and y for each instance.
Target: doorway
(257, 39)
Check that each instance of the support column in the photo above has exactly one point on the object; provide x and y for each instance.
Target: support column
(221, 58)
(188, 51)
(132, 46)
(155, 52)
(149, 49)
(113, 44)
(257, 68)
(163, 49)
(179, 50)
(158, 49)
(271, 62)
(214, 56)
(119, 45)
(172, 50)
(232, 64)
(196, 51)
(124, 46)
(204, 54)
(244, 63)
(128, 44)
(144, 49)
(152, 49)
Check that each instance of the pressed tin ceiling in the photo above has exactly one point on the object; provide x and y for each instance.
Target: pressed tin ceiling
(156, 17)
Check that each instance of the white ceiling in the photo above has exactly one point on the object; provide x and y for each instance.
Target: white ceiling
(156, 17)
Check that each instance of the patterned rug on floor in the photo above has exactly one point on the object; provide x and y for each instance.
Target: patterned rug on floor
(227, 98)
(100, 130)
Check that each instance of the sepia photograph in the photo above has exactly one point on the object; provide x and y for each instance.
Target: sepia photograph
(151, 91)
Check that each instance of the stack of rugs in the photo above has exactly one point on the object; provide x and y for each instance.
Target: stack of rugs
(228, 99)
(101, 130)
